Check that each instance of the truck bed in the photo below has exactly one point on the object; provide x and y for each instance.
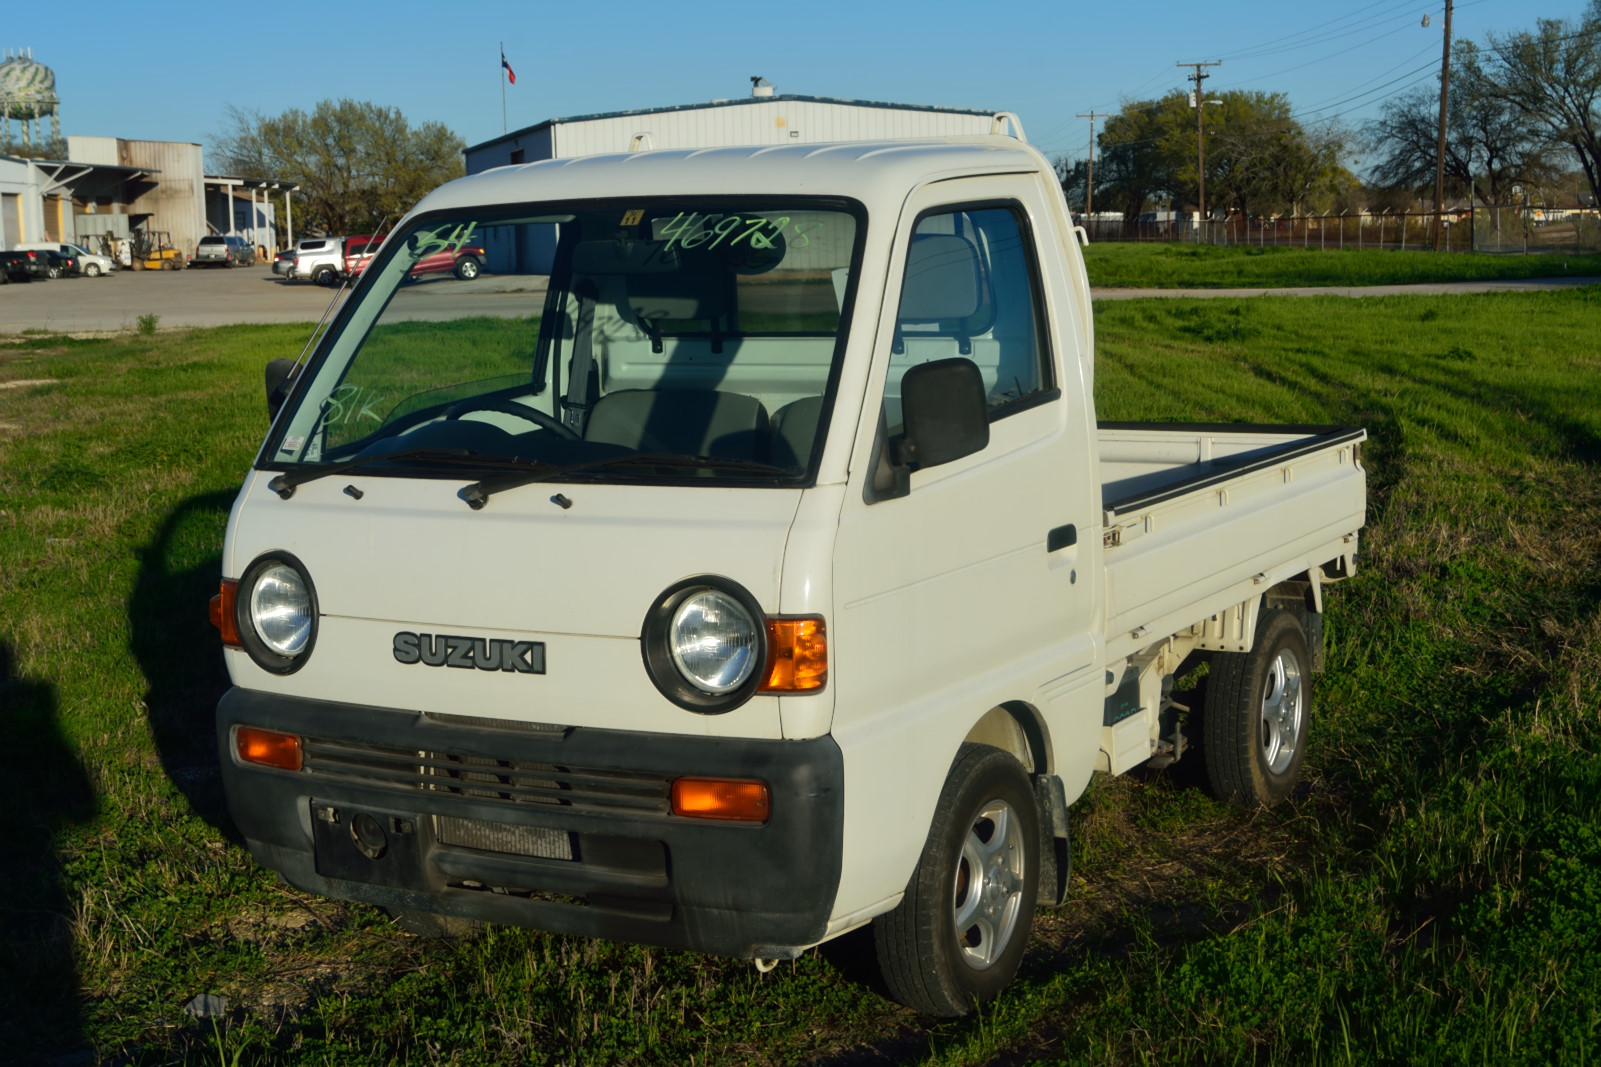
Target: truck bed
(1198, 517)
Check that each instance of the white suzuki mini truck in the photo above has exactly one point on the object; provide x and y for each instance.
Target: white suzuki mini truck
(741, 562)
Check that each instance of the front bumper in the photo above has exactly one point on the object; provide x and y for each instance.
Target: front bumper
(560, 829)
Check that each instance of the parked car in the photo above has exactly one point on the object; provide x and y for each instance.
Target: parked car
(22, 265)
(215, 250)
(359, 249)
(59, 265)
(92, 264)
(465, 260)
(283, 261)
(322, 259)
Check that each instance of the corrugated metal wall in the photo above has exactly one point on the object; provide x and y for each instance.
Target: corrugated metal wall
(177, 203)
(766, 122)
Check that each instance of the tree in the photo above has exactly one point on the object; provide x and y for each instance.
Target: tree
(1552, 76)
(1258, 157)
(1139, 146)
(356, 163)
(1490, 145)
(1073, 174)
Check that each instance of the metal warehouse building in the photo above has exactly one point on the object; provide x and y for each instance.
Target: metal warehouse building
(763, 118)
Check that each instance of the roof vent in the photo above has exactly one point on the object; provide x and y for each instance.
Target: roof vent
(760, 86)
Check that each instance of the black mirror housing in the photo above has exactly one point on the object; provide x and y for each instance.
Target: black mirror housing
(280, 378)
(945, 409)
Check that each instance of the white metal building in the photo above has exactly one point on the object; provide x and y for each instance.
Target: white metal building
(763, 118)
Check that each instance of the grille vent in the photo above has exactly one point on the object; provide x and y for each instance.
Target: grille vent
(535, 841)
(484, 779)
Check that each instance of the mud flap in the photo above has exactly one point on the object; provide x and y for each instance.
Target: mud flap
(1056, 853)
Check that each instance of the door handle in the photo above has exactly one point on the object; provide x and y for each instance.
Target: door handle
(1061, 537)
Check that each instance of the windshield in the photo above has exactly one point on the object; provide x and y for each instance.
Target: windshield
(572, 335)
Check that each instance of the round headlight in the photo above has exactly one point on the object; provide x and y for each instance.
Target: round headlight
(280, 609)
(277, 612)
(704, 643)
(714, 642)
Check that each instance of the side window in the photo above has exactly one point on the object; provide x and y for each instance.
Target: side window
(971, 290)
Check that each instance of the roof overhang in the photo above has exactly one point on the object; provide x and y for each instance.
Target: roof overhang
(271, 185)
(79, 179)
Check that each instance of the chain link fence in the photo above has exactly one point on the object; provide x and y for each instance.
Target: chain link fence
(1492, 228)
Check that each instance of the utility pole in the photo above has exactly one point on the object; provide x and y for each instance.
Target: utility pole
(1445, 90)
(1089, 181)
(1200, 137)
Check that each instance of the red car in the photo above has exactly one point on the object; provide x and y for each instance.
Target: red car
(465, 260)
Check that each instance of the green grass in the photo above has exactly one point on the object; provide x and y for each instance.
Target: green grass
(1432, 895)
(1180, 266)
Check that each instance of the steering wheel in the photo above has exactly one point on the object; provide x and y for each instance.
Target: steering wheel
(511, 407)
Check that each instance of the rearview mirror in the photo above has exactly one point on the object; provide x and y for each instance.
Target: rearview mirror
(280, 379)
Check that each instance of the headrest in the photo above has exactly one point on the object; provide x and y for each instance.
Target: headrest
(942, 279)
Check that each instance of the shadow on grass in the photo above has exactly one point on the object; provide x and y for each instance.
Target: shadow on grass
(38, 976)
(180, 653)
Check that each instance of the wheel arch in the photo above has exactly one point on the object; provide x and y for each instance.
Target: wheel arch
(1302, 596)
(1014, 727)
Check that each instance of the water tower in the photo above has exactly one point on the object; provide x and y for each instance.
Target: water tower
(27, 95)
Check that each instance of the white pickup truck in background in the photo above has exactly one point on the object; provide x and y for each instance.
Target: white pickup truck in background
(756, 572)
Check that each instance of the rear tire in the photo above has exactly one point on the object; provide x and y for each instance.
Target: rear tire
(958, 935)
(1257, 713)
(323, 276)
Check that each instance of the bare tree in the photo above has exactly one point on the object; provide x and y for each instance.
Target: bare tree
(1552, 76)
(1491, 145)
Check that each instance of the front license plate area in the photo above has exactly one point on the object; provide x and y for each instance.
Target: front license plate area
(367, 845)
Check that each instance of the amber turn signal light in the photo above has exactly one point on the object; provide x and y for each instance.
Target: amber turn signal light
(797, 654)
(737, 799)
(222, 613)
(268, 748)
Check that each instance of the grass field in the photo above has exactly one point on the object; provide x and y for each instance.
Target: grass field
(1431, 896)
(1180, 266)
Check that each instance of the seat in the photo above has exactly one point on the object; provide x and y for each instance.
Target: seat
(692, 422)
(794, 431)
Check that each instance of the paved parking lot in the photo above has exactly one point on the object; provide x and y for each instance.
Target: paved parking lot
(212, 296)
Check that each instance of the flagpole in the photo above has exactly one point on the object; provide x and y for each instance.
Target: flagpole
(501, 74)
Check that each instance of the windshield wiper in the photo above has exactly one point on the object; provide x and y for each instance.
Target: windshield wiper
(285, 483)
(478, 493)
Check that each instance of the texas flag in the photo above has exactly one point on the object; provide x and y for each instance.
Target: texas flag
(511, 75)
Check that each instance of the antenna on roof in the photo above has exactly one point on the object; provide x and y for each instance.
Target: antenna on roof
(760, 86)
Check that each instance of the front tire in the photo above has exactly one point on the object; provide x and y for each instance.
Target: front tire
(467, 268)
(958, 935)
(1258, 709)
(92, 270)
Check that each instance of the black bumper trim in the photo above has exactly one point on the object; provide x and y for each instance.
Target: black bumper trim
(637, 875)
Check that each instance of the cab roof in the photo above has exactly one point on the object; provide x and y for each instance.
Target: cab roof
(864, 170)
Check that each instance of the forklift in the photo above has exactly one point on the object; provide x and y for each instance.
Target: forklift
(152, 250)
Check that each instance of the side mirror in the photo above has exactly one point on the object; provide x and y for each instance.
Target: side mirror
(280, 379)
(946, 411)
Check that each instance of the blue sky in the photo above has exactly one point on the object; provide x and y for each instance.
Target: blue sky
(185, 62)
